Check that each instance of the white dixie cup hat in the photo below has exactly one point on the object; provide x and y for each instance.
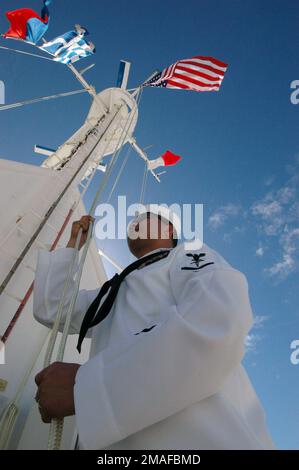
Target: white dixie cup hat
(165, 213)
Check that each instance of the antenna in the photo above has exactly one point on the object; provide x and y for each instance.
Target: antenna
(143, 155)
(82, 71)
(123, 74)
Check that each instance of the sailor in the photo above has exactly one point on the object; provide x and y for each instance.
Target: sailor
(168, 337)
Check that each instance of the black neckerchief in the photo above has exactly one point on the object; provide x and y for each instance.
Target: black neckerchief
(94, 314)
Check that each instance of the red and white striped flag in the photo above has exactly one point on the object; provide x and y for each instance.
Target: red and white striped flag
(198, 73)
(167, 159)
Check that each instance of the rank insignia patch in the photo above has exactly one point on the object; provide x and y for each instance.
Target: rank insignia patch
(196, 260)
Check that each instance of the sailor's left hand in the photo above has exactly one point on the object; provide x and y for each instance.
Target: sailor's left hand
(55, 393)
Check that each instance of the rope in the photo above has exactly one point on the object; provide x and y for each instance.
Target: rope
(9, 418)
(125, 161)
(119, 173)
(7, 425)
(55, 327)
(49, 213)
(29, 291)
(27, 295)
(8, 421)
(56, 427)
(143, 186)
(38, 100)
(56, 324)
(26, 53)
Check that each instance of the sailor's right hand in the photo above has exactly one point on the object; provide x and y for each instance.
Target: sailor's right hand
(83, 223)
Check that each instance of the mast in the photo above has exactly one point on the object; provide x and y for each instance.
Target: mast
(99, 136)
(110, 118)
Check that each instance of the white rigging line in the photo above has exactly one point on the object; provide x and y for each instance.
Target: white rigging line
(44, 98)
(110, 260)
(56, 427)
(90, 89)
(119, 173)
(138, 99)
(25, 53)
(144, 180)
(10, 414)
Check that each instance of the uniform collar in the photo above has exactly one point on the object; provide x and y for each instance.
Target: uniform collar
(156, 251)
(156, 256)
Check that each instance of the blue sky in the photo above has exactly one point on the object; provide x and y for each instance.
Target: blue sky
(240, 146)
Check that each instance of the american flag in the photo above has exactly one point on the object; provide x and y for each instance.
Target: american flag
(198, 73)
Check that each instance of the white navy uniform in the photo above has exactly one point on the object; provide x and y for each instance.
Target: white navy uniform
(165, 366)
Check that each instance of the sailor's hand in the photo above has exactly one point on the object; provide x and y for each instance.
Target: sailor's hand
(84, 223)
(55, 393)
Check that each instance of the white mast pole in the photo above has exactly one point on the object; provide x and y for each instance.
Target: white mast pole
(143, 155)
(140, 86)
(110, 260)
(38, 100)
(89, 88)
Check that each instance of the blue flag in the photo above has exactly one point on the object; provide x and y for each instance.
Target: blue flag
(75, 52)
(69, 47)
(62, 42)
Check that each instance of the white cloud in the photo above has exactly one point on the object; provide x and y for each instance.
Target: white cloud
(253, 338)
(286, 194)
(275, 217)
(289, 241)
(267, 208)
(259, 321)
(283, 267)
(219, 217)
(227, 237)
(259, 251)
(216, 220)
(268, 181)
(251, 341)
(270, 215)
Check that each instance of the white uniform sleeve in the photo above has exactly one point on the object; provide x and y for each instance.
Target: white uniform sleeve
(51, 273)
(181, 361)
